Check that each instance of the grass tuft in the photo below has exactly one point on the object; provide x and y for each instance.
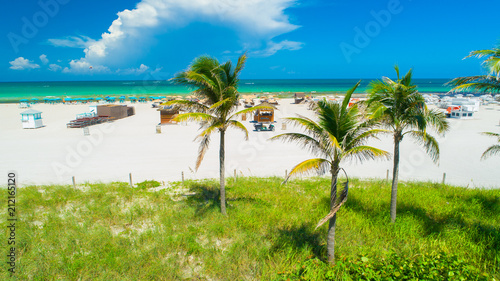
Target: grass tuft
(111, 231)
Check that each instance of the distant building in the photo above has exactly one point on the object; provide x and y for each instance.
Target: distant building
(31, 119)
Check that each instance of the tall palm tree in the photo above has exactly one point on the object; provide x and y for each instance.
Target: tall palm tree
(217, 84)
(339, 134)
(481, 83)
(402, 109)
(492, 150)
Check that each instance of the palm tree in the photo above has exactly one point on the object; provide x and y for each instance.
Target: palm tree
(481, 83)
(217, 84)
(402, 109)
(339, 134)
(492, 150)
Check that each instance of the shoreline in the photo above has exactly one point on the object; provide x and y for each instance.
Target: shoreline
(281, 95)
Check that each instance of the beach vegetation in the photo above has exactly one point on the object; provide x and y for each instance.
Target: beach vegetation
(109, 231)
(399, 107)
(216, 85)
(492, 150)
(481, 83)
(340, 133)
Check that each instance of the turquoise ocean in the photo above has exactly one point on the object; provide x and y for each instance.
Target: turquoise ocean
(14, 91)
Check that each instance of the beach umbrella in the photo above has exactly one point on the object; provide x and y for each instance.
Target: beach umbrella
(162, 97)
(69, 99)
(132, 98)
(90, 98)
(24, 100)
(98, 99)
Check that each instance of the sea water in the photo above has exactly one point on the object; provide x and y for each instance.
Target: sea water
(14, 91)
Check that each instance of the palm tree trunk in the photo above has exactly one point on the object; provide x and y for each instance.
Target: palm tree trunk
(222, 179)
(333, 220)
(395, 174)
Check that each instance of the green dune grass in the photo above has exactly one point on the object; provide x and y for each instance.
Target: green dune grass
(114, 232)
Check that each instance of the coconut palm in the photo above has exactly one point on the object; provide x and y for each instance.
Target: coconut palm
(217, 85)
(481, 83)
(339, 134)
(492, 150)
(402, 109)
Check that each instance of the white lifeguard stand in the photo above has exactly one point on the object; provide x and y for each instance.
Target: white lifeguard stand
(31, 119)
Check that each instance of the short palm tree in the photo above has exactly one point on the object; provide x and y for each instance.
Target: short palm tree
(339, 134)
(492, 150)
(217, 84)
(481, 83)
(402, 109)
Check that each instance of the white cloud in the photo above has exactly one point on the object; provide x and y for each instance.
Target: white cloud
(21, 64)
(143, 68)
(44, 59)
(256, 23)
(273, 47)
(73, 42)
(54, 67)
(83, 66)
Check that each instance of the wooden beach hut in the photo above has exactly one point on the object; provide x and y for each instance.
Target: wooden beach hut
(115, 111)
(299, 97)
(31, 119)
(167, 114)
(264, 115)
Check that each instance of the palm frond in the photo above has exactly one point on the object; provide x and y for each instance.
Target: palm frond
(318, 165)
(363, 152)
(189, 106)
(305, 141)
(250, 110)
(428, 142)
(342, 199)
(491, 151)
(202, 150)
(194, 116)
(238, 125)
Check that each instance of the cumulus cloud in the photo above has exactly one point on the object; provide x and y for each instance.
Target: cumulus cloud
(256, 22)
(44, 59)
(273, 47)
(143, 68)
(54, 67)
(21, 64)
(72, 42)
(83, 66)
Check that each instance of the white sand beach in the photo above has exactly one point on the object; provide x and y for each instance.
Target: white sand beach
(54, 153)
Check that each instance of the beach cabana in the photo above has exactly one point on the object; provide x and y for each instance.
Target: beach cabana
(167, 114)
(132, 99)
(31, 119)
(299, 97)
(264, 115)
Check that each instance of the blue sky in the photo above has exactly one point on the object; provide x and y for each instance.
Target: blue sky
(53, 40)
